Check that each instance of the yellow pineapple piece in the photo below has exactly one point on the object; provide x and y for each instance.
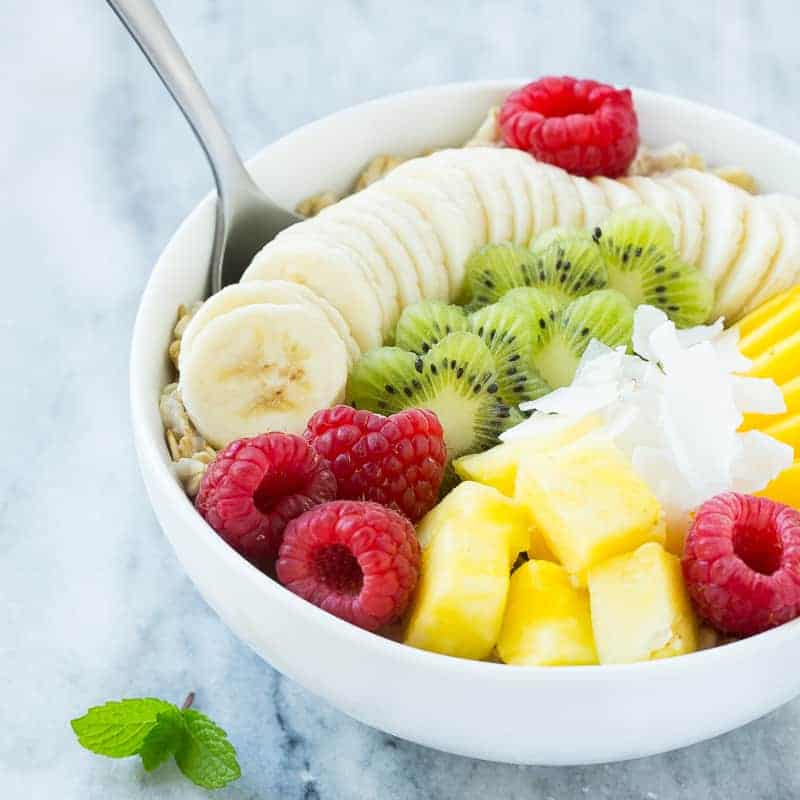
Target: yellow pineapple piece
(786, 487)
(588, 503)
(640, 608)
(791, 396)
(471, 504)
(498, 467)
(470, 541)
(780, 361)
(766, 311)
(547, 620)
(772, 328)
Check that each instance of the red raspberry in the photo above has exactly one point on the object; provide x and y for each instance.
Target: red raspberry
(396, 461)
(741, 563)
(584, 127)
(357, 560)
(254, 487)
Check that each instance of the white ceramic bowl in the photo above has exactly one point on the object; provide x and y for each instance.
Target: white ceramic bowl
(528, 715)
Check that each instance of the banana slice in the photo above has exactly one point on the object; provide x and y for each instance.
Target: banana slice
(330, 271)
(448, 220)
(723, 218)
(784, 271)
(394, 255)
(491, 189)
(262, 368)
(517, 187)
(658, 198)
(617, 194)
(595, 206)
(239, 295)
(540, 194)
(692, 219)
(753, 264)
(414, 232)
(455, 184)
(567, 201)
(364, 250)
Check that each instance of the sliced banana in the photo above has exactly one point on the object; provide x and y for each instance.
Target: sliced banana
(692, 219)
(568, 206)
(540, 193)
(749, 270)
(363, 248)
(784, 271)
(455, 184)
(617, 194)
(491, 189)
(656, 197)
(261, 368)
(448, 220)
(394, 255)
(414, 232)
(330, 271)
(239, 295)
(517, 187)
(723, 220)
(595, 206)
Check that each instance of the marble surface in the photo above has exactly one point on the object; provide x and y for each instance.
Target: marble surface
(98, 168)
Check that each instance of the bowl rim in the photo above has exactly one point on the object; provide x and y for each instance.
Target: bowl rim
(151, 461)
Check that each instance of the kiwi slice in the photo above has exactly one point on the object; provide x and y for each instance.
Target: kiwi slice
(638, 248)
(494, 269)
(606, 315)
(455, 379)
(568, 263)
(423, 325)
(509, 331)
(539, 307)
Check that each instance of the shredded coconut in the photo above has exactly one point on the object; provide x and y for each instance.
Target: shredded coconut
(675, 408)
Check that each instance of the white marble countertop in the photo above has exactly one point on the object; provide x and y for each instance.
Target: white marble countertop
(98, 168)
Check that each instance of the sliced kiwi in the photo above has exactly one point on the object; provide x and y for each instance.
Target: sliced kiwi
(494, 269)
(423, 325)
(455, 379)
(509, 332)
(568, 263)
(638, 248)
(605, 315)
(539, 307)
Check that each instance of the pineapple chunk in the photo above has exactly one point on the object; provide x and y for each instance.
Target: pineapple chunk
(785, 488)
(781, 323)
(470, 541)
(470, 505)
(588, 503)
(498, 467)
(787, 431)
(640, 608)
(780, 361)
(547, 620)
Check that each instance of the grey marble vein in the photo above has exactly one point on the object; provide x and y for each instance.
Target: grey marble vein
(97, 170)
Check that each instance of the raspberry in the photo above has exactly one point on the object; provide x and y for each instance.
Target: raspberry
(584, 127)
(355, 559)
(254, 487)
(396, 461)
(741, 563)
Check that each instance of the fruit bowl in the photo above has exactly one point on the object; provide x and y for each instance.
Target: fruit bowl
(524, 715)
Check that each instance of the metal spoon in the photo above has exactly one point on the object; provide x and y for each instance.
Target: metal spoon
(246, 218)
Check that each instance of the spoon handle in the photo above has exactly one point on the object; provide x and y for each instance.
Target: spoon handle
(149, 30)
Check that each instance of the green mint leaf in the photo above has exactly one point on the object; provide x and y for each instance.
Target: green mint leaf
(205, 756)
(118, 728)
(164, 739)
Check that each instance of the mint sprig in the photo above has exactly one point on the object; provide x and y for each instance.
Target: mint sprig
(155, 730)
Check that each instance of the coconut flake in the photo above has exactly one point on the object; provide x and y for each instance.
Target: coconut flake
(675, 410)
